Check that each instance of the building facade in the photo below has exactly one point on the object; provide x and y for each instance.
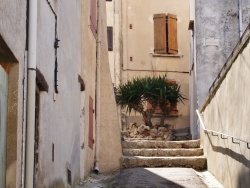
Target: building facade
(142, 47)
(53, 59)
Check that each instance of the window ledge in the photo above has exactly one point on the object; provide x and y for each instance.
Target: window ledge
(170, 115)
(166, 55)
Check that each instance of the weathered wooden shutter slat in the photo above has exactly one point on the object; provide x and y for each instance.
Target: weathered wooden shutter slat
(91, 126)
(172, 34)
(160, 30)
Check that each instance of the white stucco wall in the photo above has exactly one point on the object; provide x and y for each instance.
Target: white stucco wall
(228, 112)
(59, 113)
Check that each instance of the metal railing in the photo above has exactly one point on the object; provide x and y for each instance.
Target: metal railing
(222, 135)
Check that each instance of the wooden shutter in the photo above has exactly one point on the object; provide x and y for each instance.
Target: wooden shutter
(172, 34)
(93, 21)
(160, 30)
(91, 124)
(110, 38)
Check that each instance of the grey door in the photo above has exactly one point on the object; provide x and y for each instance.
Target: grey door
(3, 123)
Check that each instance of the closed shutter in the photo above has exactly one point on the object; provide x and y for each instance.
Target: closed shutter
(91, 124)
(110, 38)
(172, 34)
(93, 21)
(160, 30)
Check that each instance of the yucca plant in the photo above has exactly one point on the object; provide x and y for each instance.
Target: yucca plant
(136, 93)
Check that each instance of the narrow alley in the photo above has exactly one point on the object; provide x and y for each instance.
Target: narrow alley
(124, 94)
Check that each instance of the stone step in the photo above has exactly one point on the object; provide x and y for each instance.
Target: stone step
(138, 144)
(164, 152)
(197, 162)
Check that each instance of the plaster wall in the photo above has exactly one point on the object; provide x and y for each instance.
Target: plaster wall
(113, 10)
(111, 23)
(108, 125)
(59, 115)
(221, 20)
(138, 58)
(194, 128)
(88, 73)
(13, 32)
(228, 112)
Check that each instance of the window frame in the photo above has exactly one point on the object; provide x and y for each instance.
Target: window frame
(165, 34)
(110, 38)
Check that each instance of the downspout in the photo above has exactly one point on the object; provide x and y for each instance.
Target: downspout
(32, 40)
(240, 18)
(97, 97)
(24, 118)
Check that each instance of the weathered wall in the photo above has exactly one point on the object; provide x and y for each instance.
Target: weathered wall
(113, 9)
(138, 43)
(13, 33)
(228, 112)
(221, 18)
(109, 149)
(59, 115)
(88, 72)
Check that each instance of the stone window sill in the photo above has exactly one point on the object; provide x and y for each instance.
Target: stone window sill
(167, 55)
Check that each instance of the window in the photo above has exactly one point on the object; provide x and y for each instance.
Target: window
(93, 21)
(165, 34)
(110, 38)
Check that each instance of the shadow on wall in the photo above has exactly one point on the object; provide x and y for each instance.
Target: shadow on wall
(226, 151)
(243, 179)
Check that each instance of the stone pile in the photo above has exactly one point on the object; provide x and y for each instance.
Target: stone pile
(143, 131)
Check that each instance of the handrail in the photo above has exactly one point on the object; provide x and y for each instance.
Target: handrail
(219, 133)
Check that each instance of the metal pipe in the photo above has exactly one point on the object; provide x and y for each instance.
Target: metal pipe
(24, 118)
(97, 95)
(32, 43)
(240, 18)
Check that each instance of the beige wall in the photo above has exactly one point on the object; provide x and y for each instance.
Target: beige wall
(109, 142)
(88, 69)
(107, 146)
(114, 9)
(138, 43)
(228, 112)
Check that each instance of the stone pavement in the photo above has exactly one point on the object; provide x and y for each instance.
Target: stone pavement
(152, 178)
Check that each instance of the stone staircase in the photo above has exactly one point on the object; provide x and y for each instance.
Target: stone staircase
(152, 153)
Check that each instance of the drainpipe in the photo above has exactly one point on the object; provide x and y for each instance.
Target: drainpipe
(24, 118)
(240, 17)
(32, 40)
(97, 110)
